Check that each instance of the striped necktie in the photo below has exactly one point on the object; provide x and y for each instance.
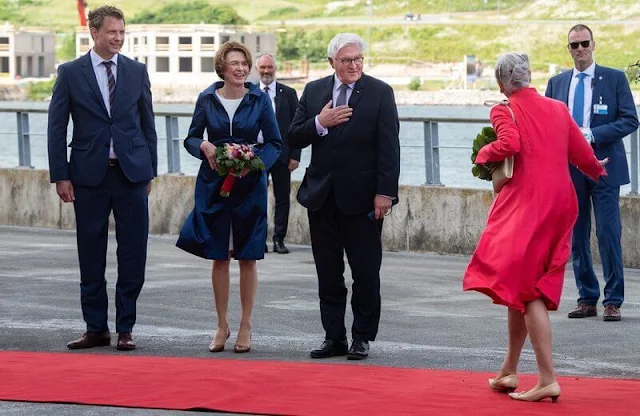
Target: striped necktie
(112, 83)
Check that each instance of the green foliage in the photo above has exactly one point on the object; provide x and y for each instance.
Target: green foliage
(304, 44)
(633, 72)
(482, 171)
(38, 91)
(67, 50)
(281, 13)
(194, 12)
(415, 84)
(9, 11)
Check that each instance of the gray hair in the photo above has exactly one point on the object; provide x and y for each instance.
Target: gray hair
(512, 70)
(341, 40)
(270, 56)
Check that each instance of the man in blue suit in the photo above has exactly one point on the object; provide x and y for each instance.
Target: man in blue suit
(113, 160)
(602, 105)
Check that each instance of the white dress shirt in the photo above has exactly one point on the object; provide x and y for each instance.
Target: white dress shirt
(272, 95)
(103, 83)
(589, 80)
(322, 131)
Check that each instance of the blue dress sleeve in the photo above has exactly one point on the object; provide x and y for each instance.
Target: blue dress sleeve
(196, 130)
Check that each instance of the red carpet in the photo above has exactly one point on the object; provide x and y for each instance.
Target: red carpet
(288, 388)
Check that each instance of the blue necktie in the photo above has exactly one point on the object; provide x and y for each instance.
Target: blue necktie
(578, 100)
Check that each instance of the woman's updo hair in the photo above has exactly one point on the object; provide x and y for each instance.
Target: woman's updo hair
(512, 70)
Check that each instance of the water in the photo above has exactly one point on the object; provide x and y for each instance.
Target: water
(455, 164)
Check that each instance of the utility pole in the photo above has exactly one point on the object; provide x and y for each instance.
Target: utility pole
(370, 13)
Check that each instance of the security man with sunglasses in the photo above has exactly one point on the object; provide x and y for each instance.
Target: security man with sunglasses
(601, 103)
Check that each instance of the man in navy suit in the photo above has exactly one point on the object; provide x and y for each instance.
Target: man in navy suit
(285, 102)
(113, 160)
(602, 105)
(351, 122)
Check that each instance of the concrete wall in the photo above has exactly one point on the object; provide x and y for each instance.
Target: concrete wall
(435, 219)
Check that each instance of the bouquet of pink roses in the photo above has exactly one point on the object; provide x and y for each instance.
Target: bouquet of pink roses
(232, 158)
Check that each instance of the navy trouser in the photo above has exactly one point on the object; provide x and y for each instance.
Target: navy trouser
(606, 207)
(130, 210)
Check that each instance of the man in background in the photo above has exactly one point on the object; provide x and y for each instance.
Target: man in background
(285, 102)
(600, 100)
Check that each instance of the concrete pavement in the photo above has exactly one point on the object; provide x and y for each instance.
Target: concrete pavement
(427, 321)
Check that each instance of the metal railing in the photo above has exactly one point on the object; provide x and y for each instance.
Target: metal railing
(431, 141)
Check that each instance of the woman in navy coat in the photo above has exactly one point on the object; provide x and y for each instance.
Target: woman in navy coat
(231, 111)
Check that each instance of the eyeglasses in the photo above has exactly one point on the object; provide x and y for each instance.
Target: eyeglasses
(349, 61)
(584, 44)
(238, 64)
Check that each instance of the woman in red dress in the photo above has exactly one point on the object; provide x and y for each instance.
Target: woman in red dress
(521, 256)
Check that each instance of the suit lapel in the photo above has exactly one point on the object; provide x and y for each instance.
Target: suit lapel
(119, 90)
(598, 86)
(90, 75)
(278, 98)
(327, 93)
(565, 85)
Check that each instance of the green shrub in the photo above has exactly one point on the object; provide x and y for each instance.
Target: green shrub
(633, 72)
(38, 91)
(67, 50)
(280, 13)
(415, 84)
(194, 12)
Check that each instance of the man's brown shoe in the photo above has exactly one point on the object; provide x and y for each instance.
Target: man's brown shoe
(611, 313)
(583, 311)
(125, 342)
(90, 340)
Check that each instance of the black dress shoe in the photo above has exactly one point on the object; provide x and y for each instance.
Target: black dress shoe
(359, 350)
(91, 340)
(330, 348)
(279, 247)
(125, 342)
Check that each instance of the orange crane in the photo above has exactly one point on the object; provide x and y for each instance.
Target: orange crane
(82, 11)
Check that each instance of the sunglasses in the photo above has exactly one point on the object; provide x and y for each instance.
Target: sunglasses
(584, 44)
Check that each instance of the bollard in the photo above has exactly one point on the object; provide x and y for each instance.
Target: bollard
(173, 145)
(24, 143)
(633, 139)
(431, 153)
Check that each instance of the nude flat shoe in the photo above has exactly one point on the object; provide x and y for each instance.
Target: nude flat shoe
(506, 384)
(551, 391)
(213, 347)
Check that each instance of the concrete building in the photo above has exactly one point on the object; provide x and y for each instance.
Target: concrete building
(26, 52)
(182, 54)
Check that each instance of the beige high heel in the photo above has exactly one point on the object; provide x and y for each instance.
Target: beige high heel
(506, 384)
(237, 348)
(551, 391)
(213, 347)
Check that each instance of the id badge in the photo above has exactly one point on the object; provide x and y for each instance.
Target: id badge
(601, 109)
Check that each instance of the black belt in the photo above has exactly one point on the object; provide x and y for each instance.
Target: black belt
(113, 163)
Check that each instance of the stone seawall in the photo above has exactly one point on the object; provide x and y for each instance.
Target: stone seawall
(426, 219)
